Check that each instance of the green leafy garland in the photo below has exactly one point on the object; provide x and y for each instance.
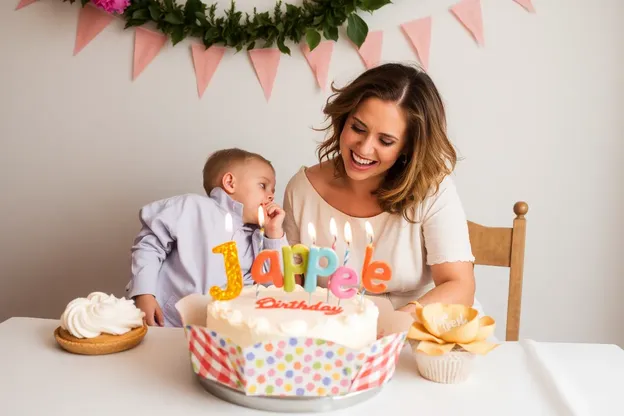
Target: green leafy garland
(196, 19)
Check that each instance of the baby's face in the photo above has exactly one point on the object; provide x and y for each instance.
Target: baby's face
(255, 186)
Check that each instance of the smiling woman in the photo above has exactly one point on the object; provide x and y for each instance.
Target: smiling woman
(387, 161)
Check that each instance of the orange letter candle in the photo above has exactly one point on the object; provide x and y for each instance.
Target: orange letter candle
(374, 269)
(232, 267)
(274, 274)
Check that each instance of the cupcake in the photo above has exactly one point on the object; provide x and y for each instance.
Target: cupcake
(100, 324)
(446, 338)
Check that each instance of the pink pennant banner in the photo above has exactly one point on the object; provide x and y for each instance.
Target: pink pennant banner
(419, 34)
(468, 12)
(370, 52)
(147, 44)
(205, 62)
(527, 4)
(319, 60)
(24, 3)
(91, 21)
(265, 62)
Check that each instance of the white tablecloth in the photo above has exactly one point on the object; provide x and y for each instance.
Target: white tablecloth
(155, 378)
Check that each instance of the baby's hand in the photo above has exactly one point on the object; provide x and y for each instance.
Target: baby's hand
(149, 305)
(274, 220)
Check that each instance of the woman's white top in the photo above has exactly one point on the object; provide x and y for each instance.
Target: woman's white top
(440, 235)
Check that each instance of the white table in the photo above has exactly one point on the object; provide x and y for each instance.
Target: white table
(155, 378)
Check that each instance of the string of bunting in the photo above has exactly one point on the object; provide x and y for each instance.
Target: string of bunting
(262, 34)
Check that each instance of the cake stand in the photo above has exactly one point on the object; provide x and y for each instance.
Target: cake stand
(287, 404)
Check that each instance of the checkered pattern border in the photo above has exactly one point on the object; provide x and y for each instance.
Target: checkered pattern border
(212, 361)
(379, 367)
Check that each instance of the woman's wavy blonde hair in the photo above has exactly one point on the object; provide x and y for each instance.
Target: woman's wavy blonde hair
(428, 155)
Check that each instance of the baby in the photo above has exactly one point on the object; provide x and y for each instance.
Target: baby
(172, 255)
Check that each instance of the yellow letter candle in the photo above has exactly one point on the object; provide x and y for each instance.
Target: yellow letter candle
(233, 271)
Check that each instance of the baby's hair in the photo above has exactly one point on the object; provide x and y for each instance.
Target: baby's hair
(221, 161)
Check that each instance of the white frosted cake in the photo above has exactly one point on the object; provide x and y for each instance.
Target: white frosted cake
(275, 313)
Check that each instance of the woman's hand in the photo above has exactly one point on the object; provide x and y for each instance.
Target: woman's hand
(455, 283)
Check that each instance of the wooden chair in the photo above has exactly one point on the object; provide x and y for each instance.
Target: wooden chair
(504, 247)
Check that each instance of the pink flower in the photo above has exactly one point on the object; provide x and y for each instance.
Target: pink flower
(112, 6)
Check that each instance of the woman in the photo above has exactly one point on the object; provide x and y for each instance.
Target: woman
(387, 161)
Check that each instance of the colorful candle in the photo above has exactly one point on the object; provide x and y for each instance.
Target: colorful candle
(377, 270)
(314, 269)
(261, 245)
(233, 271)
(273, 274)
(290, 267)
(261, 224)
(342, 277)
(333, 230)
(348, 238)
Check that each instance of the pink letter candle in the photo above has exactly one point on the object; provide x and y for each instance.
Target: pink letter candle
(342, 277)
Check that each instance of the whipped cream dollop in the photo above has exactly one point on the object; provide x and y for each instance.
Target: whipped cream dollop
(100, 313)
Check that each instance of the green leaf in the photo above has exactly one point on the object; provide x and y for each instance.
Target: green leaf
(169, 5)
(251, 46)
(154, 10)
(282, 46)
(202, 18)
(211, 34)
(313, 38)
(141, 14)
(370, 5)
(318, 20)
(177, 35)
(357, 29)
(84, 2)
(173, 18)
(132, 23)
(331, 33)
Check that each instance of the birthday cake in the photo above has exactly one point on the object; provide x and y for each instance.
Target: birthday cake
(261, 314)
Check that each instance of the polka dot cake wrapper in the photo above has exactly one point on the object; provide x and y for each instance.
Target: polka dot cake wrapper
(293, 366)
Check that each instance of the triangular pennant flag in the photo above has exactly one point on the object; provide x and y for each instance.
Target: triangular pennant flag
(468, 12)
(265, 62)
(147, 44)
(527, 4)
(419, 33)
(91, 21)
(319, 60)
(24, 3)
(370, 51)
(205, 62)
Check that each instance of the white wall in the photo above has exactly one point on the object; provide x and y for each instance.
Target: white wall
(535, 114)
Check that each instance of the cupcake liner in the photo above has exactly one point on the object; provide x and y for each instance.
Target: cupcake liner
(451, 368)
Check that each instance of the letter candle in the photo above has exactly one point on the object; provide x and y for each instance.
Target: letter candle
(314, 268)
(261, 224)
(348, 236)
(233, 271)
(373, 269)
(258, 273)
(333, 229)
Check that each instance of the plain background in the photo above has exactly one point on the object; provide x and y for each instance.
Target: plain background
(535, 115)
